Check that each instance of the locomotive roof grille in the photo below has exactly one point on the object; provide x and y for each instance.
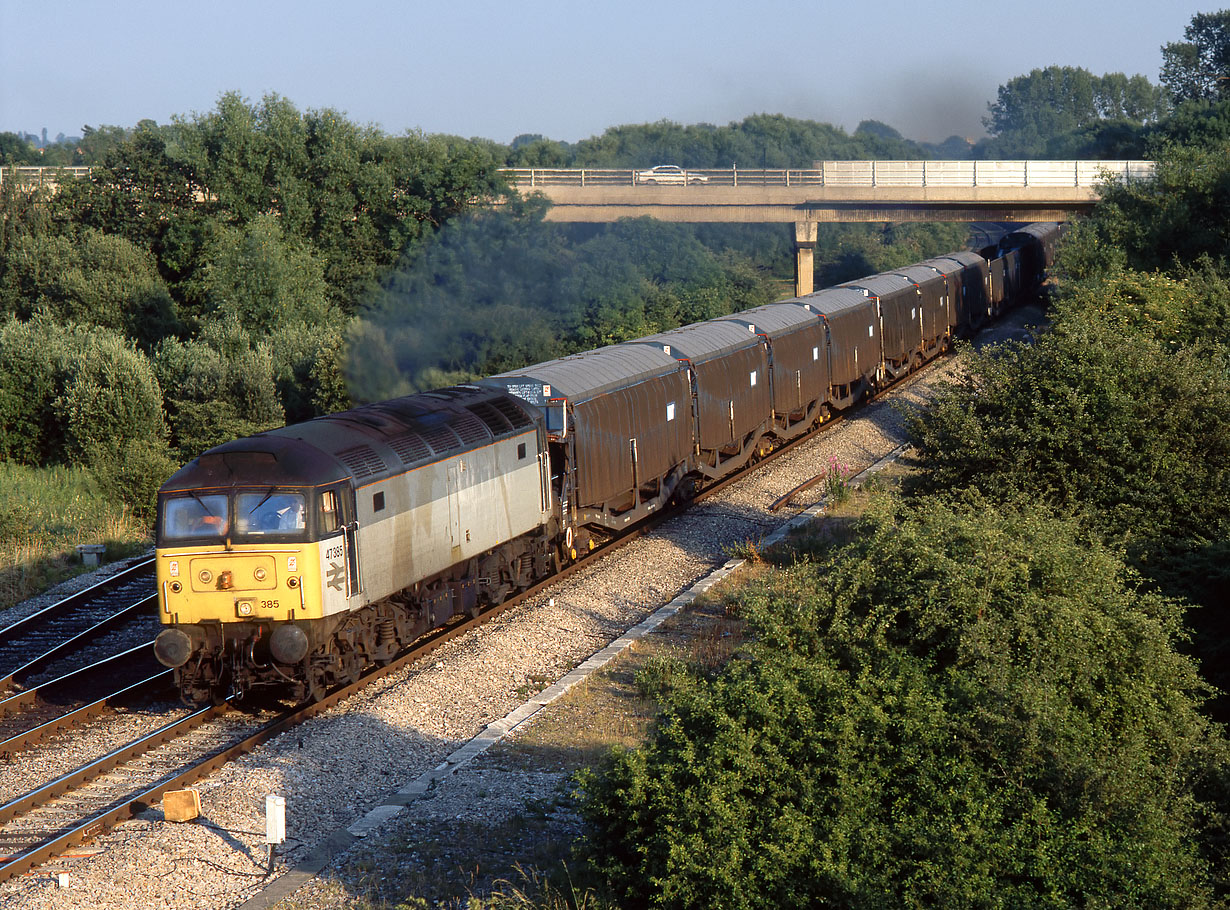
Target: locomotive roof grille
(410, 448)
(496, 422)
(512, 413)
(362, 461)
(469, 428)
(441, 438)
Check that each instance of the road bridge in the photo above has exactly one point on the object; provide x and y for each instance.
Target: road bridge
(829, 192)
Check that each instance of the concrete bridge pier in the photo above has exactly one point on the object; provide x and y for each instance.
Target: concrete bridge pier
(805, 236)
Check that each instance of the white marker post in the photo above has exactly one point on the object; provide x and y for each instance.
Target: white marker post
(275, 824)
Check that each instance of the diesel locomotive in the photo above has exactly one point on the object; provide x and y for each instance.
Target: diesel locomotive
(299, 556)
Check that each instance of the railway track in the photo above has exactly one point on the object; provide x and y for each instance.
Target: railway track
(34, 715)
(100, 621)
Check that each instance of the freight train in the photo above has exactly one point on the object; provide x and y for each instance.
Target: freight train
(297, 557)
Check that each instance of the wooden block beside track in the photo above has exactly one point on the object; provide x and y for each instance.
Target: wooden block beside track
(181, 805)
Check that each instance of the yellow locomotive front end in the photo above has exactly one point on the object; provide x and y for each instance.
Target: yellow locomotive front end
(251, 581)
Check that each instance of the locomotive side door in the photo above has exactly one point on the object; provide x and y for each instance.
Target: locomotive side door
(350, 527)
(339, 549)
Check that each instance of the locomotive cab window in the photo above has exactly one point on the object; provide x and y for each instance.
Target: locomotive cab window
(329, 520)
(260, 514)
(195, 516)
(520, 451)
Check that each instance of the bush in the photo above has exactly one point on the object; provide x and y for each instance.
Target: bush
(965, 707)
(109, 398)
(219, 387)
(133, 473)
(1092, 417)
(71, 394)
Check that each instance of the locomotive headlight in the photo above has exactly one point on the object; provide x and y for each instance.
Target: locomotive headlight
(243, 607)
(292, 582)
(206, 576)
(176, 587)
(258, 573)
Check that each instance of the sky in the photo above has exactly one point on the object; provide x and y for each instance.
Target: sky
(565, 70)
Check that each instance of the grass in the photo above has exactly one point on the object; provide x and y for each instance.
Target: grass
(44, 514)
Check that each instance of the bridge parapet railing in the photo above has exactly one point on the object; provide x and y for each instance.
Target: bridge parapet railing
(34, 176)
(861, 173)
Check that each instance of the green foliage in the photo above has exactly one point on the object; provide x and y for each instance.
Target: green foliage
(108, 397)
(1189, 309)
(1061, 108)
(137, 191)
(762, 140)
(1177, 216)
(308, 369)
(16, 151)
(219, 386)
(358, 196)
(44, 514)
(1093, 416)
(1198, 68)
(504, 289)
(263, 280)
(72, 394)
(1199, 124)
(968, 706)
(133, 473)
(90, 278)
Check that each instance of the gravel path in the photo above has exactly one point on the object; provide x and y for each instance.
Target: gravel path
(337, 766)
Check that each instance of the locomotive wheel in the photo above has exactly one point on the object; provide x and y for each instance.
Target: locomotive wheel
(316, 687)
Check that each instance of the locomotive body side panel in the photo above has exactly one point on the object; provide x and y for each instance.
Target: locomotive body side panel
(418, 524)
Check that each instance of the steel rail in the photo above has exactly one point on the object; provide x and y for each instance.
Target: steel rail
(82, 638)
(102, 821)
(136, 570)
(142, 687)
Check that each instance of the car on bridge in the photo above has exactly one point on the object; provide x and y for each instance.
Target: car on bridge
(669, 174)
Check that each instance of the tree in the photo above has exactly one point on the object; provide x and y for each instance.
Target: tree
(1175, 217)
(219, 387)
(264, 279)
(73, 394)
(14, 150)
(1031, 109)
(966, 705)
(1093, 417)
(91, 278)
(1031, 112)
(138, 189)
(1198, 68)
(359, 197)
